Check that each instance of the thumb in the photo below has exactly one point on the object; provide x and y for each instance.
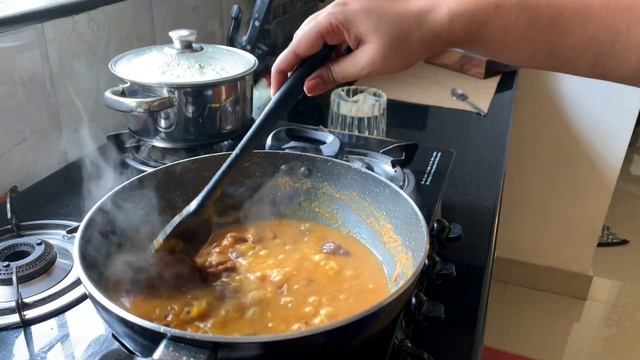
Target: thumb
(348, 68)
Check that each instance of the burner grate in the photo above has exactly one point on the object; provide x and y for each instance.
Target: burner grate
(46, 281)
(388, 162)
(144, 156)
(37, 276)
(380, 164)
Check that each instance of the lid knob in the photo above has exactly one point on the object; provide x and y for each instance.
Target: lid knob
(183, 38)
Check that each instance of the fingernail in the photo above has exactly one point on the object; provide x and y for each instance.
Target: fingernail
(313, 87)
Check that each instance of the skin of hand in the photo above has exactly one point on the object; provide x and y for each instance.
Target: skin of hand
(592, 38)
(376, 30)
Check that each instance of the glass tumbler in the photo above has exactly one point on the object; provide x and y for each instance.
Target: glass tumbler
(359, 110)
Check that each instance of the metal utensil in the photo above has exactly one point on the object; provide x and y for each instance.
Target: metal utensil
(183, 94)
(460, 95)
(192, 222)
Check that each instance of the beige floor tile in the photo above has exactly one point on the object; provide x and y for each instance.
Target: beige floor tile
(619, 264)
(546, 326)
(615, 293)
(538, 323)
(624, 211)
(605, 332)
(617, 270)
(606, 326)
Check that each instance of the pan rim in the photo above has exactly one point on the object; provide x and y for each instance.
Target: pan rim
(96, 295)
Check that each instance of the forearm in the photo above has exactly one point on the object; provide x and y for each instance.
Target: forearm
(593, 38)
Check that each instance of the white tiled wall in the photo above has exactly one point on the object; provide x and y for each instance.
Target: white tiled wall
(30, 127)
(205, 16)
(52, 77)
(79, 49)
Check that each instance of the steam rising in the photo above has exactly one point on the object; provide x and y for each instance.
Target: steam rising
(116, 242)
(131, 218)
(98, 175)
(102, 172)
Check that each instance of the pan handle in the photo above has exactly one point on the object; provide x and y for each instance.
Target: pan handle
(172, 350)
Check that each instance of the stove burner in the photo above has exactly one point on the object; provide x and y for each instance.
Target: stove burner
(377, 163)
(145, 156)
(47, 282)
(386, 163)
(30, 258)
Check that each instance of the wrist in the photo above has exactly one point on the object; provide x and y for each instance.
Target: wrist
(463, 22)
(439, 25)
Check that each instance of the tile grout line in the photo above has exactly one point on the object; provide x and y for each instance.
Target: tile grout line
(49, 74)
(628, 307)
(153, 21)
(614, 304)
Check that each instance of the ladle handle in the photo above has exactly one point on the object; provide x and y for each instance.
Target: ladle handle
(293, 88)
(276, 110)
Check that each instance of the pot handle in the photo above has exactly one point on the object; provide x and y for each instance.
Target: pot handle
(115, 98)
(172, 350)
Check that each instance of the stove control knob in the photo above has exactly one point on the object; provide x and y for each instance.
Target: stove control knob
(445, 233)
(433, 264)
(439, 270)
(446, 271)
(439, 232)
(439, 229)
(405, 350)
(456, 233)
(425, 310)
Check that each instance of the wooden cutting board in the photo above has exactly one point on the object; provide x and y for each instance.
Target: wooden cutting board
(470, 64)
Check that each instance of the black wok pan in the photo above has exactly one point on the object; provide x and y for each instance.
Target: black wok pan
(114, 238)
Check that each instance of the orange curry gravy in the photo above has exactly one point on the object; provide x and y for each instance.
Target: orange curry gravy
(270, 277)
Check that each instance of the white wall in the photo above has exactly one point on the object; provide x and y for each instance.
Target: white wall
(52, 77)
(567, 144)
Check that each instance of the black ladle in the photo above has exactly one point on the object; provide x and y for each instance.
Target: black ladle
(192, 223)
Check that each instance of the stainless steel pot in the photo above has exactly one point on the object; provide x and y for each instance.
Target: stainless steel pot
(184, 94)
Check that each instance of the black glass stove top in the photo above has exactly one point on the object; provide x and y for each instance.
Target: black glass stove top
(80, 333)
(429, 167)
(473, 199)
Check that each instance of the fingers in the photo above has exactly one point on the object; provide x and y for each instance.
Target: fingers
(286, 63)
(306, 22)
(308, 40)
(348, 68)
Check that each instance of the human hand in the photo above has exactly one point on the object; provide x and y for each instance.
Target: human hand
(391, 35)
(385, 37)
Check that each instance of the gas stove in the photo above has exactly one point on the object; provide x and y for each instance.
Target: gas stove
(35, 257)
(145, 156)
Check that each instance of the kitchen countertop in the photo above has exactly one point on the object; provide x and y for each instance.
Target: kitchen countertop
(472, 200)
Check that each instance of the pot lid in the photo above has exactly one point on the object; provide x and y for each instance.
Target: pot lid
(183, 63)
